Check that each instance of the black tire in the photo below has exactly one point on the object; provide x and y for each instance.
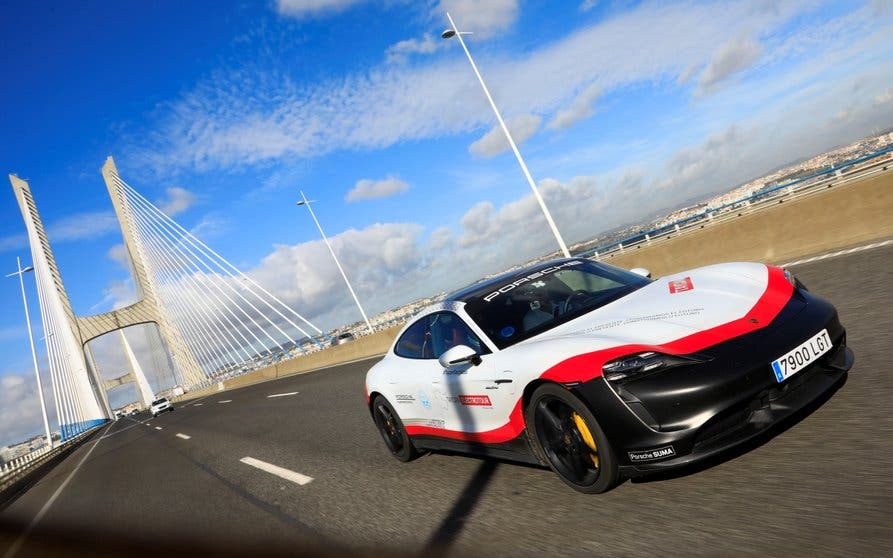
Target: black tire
(566, 436)
(391, 429)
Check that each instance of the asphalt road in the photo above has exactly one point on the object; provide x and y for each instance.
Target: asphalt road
(819, 487)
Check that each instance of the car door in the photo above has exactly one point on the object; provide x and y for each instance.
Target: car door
(470, 398)
(409, 383)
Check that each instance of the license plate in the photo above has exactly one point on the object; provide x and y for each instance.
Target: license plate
(805, 354)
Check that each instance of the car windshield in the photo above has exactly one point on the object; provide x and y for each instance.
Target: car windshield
(529, 304)
(159, 401)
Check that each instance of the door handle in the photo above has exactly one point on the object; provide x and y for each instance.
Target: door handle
(502, 381)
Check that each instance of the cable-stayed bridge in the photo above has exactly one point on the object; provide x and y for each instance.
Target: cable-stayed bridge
(212, 318)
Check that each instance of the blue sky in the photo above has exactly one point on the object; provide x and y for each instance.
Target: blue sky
(221, 112)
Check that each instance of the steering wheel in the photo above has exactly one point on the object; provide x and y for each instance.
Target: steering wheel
(575, 301)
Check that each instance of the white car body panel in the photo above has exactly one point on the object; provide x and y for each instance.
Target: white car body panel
(474, 399)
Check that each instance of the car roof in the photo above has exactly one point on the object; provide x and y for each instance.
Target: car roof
(482, 288)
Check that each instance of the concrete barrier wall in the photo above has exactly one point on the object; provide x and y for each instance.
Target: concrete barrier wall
(363, 347)
(839, 217)
(842, 216)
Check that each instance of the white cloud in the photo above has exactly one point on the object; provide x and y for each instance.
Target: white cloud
(20, 415)
(588, 5)
(239, 118)
(484, 19)
(398, 52)
(118, 254)
(178, 200)
(13, 242)
(579, 109)
(313, 8)
(732, 57)
(117, 294)
(83, 226)
(368, 189)
(493, 142)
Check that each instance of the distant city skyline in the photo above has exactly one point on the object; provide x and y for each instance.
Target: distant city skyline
(220, 115)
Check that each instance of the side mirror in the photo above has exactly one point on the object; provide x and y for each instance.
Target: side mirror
(458, 355)
(641, 271)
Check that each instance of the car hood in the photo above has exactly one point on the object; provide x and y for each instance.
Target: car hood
(697, 304)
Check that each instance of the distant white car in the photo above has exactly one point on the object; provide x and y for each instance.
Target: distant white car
(161, 405)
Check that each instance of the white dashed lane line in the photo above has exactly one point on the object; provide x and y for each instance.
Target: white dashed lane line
(226, 401)
(157, 428)
(282, 394)
(839, 253)
(198, 404)
(280, 472)
(183, 436)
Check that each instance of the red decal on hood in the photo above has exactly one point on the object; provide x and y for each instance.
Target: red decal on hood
(585, 367)
(681, 285)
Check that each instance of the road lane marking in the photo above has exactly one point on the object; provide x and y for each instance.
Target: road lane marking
(226, 401)
(280, 472)
(839, 253)
(157, 428)
(19, 541)
(183, 436)
(198, 404)
(282, 394)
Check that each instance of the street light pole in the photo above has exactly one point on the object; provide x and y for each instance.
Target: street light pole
(304, 201)
(454, 32)
(21, 273)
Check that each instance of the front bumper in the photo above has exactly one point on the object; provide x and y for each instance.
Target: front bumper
(683, 416)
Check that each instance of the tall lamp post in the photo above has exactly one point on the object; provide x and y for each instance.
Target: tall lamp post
(454, 32)
(21, 273)
(306, 202)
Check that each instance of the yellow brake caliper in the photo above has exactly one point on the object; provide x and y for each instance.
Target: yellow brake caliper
(587, 437)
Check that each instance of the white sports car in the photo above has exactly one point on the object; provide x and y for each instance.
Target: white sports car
(601, 373)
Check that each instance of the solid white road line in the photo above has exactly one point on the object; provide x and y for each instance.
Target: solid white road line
(839, 253)
(18, 542)
(226, 401)
(282, 394)
(281, 472)
(184, 436)
(157, 428)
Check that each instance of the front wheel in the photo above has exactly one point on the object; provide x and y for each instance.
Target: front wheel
(568, 437)
(391, 429)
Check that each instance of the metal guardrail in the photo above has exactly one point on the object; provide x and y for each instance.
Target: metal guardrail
(802, 185)
(15, 471)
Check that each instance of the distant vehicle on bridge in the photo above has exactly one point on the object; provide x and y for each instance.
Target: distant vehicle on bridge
(601, 373)
(161, 405)
(343, 338)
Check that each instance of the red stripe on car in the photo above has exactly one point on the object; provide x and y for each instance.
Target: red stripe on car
(588, 366)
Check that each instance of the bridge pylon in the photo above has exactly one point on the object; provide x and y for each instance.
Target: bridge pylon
(80, 391)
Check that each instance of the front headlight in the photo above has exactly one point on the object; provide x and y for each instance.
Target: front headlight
(794, 281)
(643, 364)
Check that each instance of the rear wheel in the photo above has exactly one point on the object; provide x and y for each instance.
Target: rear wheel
(570, 440)
(391, 429)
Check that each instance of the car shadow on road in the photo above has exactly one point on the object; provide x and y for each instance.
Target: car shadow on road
(451, 526)
(748, 446)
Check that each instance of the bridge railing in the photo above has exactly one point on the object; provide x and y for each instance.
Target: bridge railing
(799, 186)
(16, 470)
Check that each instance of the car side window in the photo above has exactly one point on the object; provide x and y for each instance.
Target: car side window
(447, 330)
(412, 342)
